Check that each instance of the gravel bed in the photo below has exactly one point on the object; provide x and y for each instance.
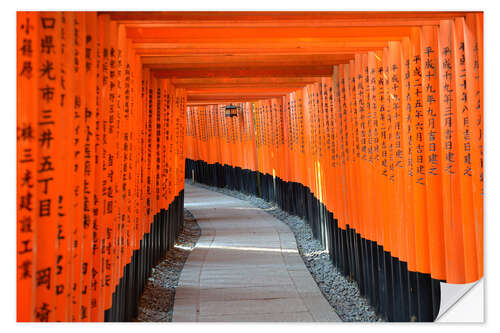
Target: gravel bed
(157, 301)
(342, 294)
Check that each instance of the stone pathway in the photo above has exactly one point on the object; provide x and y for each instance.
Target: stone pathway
(245, 267)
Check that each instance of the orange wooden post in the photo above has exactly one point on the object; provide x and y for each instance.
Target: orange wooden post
(452, 213)
(473, 44)
(464, 161)
(422, 255)
(28, 46)
(432, 151)
(47, 169)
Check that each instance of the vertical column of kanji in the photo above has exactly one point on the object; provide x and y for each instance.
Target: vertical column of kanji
(352, 146)
(75, 100)
(195, 133)
(422, 264)
(297, 170)
(126, 142)
(282, 151)
(65, 231)
(28, 57)
(111, 163)
(188, 140)
(190, 145)
(159, 140)
(106, 165)
(234, 150)
(432, 151)
(389, 200)
(319, 135)
(250, 150)
(120, 129)
(181, 147)
(255, 110)
(473, 42)
(180, 120)
(337, 153)
(201, 120)
(274, 141)
(333, 178)
(288, 138)
(268, 137)
(337, 142)
(407, 242)
(63, 156)
(354, 70)
(344, 115)
(464, 160)
(398, 231)
(212, 145)
(373, 176)
(141, 97)
(315, 139)
(344, 153)
(303, 158)
(97, 290)
(349, 145)
(350, 158)
(360, 132)
(150, 143)
(147, 149)
(452, 213)
(248, 143)
(182, 131)
(78, 104)
(325, 142)
(265, 136)
(260, 136)
(241, 131)
(88, 163)
(48, 168)
(321, 145)
(367, 153)
(244, 136)
(308, 139)
(144, 186)
(155, 143)
(263, 128)
(116, 179)
(130, 170)
(357, 93)
(220, 128)
(372, 146)
(365, 188)
(137, 151)
(165, 128)
(174, 139)
(381, 170)
(164, 139)
(407, 146)
(281, 154)
(231, 143)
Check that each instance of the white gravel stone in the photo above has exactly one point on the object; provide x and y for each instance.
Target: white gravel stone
(157, 301)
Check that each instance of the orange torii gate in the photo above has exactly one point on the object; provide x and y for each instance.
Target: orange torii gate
(366, 124)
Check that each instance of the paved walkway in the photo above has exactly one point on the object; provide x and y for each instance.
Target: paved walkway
(245, 267)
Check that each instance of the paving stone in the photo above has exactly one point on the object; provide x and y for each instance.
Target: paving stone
(249, 269)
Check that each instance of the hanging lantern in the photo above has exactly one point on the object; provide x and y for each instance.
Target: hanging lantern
(230, 110)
